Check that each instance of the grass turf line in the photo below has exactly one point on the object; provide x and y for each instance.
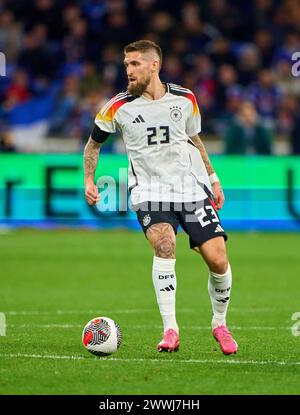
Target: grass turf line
(69, 277)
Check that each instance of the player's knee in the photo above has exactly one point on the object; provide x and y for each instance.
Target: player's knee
(165, 248)
(219, 264)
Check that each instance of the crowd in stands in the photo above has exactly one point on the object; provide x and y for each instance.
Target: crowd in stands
(235, 56)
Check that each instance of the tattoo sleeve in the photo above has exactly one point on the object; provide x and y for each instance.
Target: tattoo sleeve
(90, 158)
(199, 144)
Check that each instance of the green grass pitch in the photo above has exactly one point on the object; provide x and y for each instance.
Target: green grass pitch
(53, 282)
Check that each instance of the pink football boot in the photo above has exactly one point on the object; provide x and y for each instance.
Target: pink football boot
(170, 342)
(224, 337)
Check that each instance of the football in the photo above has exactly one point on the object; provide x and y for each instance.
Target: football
(101, 336)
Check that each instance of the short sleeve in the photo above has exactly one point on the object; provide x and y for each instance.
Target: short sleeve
(105, 119)
(193, 124)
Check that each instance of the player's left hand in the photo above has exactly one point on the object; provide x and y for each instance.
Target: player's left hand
(218, 195)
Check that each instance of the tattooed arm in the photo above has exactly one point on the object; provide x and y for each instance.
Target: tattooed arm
(90, 161)
(216, 185)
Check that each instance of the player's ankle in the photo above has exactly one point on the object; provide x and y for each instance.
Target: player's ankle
(172, 327)
(216, 322)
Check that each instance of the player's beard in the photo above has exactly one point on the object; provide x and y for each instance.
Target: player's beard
(139, 88)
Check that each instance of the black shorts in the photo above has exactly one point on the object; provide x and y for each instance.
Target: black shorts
(199, 220)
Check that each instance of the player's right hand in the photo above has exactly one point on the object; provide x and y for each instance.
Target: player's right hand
(91, 193)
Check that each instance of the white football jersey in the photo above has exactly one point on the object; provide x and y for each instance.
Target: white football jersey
(164, 165)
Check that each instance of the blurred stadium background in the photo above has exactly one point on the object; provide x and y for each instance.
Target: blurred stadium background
(64, 60)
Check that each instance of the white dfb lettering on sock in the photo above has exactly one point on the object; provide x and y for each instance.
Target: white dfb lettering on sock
(219, 288)
(164, 281)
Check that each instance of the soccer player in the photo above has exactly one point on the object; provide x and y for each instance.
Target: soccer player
(171, 182)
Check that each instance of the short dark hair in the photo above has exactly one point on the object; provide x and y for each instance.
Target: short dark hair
(144, 46)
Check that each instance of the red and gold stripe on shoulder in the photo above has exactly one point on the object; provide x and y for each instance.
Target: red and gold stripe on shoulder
(192, 97)
(179, 90)
(109, 110)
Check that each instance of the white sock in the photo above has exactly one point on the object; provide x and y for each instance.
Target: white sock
(219, 287)
(164, 281)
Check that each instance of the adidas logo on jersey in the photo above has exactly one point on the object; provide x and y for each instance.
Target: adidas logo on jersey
(169, 288)
(219, 229)
(138, 119)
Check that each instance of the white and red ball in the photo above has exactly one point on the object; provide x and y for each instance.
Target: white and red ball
(102, 336)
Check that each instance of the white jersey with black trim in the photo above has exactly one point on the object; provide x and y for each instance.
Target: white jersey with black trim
(164, 165)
